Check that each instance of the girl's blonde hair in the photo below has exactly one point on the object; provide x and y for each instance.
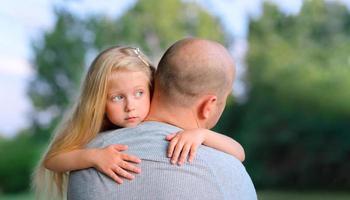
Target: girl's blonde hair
(87, 117)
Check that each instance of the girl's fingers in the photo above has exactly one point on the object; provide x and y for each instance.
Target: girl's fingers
(130, 167)
(193, 153)
(120, 147)
(131, 158)
(121, 172)
(112, 175)
(171, 147)
(170, 137)
(177, 152)
(184, 154)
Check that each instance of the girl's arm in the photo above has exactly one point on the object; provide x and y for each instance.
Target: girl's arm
(109, 160)
(187, 142)
(224, 143)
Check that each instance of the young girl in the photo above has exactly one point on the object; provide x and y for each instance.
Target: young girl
(116, 93)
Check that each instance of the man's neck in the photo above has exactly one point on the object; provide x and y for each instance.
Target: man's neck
(176, 116)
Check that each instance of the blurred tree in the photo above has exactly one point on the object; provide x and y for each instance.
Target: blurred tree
(154, 25)
(295, 123)
(58, 62)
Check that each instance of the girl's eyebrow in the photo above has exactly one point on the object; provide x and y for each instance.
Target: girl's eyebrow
(121, 91)
(140, 86)
(114, 92)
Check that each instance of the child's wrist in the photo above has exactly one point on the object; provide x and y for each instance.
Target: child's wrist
(206, 134)
(90, 157)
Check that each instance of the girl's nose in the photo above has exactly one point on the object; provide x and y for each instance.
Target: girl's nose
(129, 106)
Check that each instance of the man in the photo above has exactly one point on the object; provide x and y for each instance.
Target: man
(192, 83)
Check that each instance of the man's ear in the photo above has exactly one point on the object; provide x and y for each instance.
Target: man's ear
(207, 106)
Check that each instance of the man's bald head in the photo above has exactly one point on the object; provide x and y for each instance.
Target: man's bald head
(193, 67)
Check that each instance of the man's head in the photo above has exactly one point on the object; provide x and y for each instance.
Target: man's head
(197, 75)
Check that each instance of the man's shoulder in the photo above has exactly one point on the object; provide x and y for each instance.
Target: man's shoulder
(145, 131)
(216, 159)
(230, 173)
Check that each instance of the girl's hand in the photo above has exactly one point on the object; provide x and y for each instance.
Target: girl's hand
(184, 143)
(115, 164)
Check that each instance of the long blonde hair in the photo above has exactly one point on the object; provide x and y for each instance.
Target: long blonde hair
(87, 116)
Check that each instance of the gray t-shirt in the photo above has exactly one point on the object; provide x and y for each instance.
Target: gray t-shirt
(212, 174)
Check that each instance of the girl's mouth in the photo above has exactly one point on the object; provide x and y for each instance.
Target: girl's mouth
(131, 119)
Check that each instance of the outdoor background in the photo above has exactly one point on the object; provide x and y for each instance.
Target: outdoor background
(290, 107)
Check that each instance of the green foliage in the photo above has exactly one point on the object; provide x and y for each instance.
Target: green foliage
(304, 57)
(59, 62)
(154, 25)
(18, 158)
(295, 123)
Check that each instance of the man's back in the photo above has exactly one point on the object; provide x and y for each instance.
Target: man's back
(212, 175)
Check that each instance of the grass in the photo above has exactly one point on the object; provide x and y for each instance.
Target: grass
(289, 195)
(262, 195)
(22, 196)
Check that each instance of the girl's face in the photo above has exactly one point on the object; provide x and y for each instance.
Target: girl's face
(128, 98)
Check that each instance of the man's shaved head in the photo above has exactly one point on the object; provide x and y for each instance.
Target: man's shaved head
(193, 67)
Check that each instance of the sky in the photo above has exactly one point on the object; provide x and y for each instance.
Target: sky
(23, 22)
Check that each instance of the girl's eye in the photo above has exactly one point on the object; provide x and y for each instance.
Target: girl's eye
(139, 93)
(117, 98)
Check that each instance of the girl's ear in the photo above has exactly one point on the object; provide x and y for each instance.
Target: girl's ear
(207, 106)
